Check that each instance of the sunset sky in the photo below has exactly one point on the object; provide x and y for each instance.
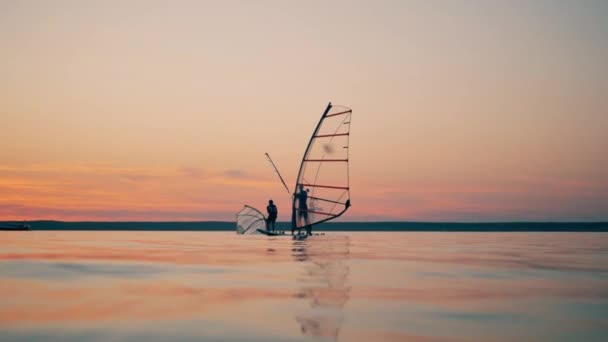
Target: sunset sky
(163, 110)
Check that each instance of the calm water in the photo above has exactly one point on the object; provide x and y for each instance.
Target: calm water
(217, 286)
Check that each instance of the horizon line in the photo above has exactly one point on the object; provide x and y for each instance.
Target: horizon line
(339, 222)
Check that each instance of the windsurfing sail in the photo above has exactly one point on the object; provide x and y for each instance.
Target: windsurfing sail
(249, 220)
(323, 171)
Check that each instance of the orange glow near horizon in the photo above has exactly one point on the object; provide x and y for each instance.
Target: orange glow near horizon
(101, 193)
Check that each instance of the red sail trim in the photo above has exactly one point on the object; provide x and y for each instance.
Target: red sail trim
(325, 160)
(317, 212)
(326, 200)
(325, 186)
(339, 113)
(330, 135)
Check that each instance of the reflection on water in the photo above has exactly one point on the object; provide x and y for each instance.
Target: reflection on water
(214, 286)
(324, 283)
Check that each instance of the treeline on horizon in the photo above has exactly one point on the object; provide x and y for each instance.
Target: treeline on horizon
(333, 226)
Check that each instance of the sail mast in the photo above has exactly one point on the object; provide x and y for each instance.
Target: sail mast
(312, 137)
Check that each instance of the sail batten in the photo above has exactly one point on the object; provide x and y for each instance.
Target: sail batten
(318, 212)
(330, 135)
(340, 113)
(325, 186)
(326, 160)
(326, 200)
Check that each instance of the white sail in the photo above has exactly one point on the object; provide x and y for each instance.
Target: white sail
(324, 171)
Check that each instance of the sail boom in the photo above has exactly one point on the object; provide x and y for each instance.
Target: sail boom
(339, 113)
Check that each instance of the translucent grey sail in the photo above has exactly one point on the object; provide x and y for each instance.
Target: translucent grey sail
(249, 220)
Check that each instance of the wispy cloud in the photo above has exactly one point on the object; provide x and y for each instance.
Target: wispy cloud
(83, 192)
(192, 172)
(514, 198)
(236, 174)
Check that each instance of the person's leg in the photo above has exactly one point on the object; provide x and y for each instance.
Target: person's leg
(299, 220)
(300, 216)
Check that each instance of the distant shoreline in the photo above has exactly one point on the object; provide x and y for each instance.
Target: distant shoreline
(335, 226)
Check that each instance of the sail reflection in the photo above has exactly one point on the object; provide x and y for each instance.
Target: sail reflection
(324, 284)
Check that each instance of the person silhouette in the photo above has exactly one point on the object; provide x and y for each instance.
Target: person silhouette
(302, 197)
(272, 215)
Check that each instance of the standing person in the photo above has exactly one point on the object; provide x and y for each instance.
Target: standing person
(272, 215)
(302, 197)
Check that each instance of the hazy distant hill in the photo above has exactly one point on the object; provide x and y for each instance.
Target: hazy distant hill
(338, 226)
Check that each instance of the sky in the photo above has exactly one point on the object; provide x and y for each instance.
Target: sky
(163, 110)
